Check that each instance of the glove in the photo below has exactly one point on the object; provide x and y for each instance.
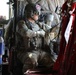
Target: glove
(37, 33)
(40, 33)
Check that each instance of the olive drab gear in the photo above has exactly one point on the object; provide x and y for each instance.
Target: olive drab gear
(29, 47)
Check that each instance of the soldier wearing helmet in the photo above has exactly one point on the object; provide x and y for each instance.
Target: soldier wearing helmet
(30, 43)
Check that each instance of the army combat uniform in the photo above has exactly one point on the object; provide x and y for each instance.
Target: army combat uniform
(29, 45)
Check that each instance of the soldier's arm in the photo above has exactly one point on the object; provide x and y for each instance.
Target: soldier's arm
(45, 27)
(40, 32)
(24, 31)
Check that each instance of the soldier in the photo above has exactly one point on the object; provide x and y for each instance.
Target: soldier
(30, 40)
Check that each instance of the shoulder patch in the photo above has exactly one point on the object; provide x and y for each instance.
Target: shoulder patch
(21, 22)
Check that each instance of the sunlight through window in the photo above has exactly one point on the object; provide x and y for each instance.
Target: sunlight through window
(4, 8)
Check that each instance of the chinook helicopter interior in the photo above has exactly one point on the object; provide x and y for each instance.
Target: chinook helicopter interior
(47, 13)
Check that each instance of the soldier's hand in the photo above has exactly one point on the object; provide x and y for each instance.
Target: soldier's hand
(38, 33)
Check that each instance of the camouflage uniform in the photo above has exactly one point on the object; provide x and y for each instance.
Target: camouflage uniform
(29, 45)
